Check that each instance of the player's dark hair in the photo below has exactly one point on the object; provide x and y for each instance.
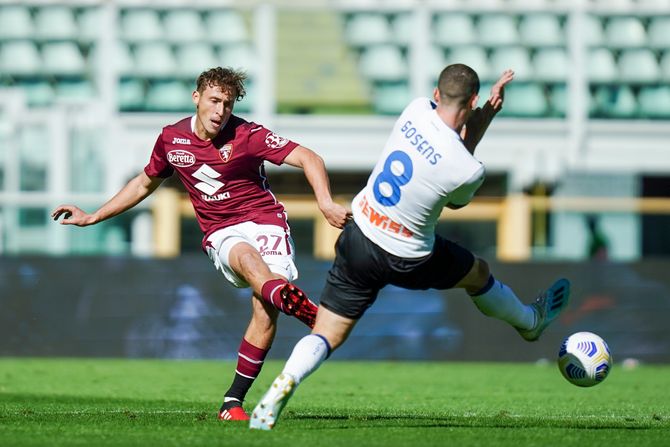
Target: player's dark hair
(457, 83)
(230, 80)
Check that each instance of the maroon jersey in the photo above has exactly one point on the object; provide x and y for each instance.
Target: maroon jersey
(225, 177)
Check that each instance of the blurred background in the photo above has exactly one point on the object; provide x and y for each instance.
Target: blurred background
(578, 166)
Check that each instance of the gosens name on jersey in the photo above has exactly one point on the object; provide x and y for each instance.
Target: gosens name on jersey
(424, 166)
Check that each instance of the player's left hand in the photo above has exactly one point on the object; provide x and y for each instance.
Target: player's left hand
(498, 90)
(335, 214)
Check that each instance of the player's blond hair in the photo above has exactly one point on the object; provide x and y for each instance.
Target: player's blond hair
(230, 81)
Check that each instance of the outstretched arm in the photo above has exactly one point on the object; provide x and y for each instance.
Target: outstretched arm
(130, 195)
(315, 172)
(479, 120)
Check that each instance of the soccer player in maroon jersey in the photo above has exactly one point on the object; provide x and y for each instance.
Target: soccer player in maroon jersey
(219, 157)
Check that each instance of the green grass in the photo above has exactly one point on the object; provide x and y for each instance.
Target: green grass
(59, 402)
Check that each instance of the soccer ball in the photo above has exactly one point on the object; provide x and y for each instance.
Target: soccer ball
(584, 359)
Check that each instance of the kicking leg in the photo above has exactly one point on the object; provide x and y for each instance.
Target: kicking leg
(270, 287)
(330, 331)
(497, 300)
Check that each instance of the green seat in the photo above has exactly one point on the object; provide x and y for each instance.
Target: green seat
(665, 66)
(141, 25)
(638, 65)
(240, 56)
(558, 100)
(55, 22)
(497, 30)
(39, 93)
(15, 22)
(20, 58)
(194, 58)
(659, 32)
(655, 101)
(541, 29)
(183, 25)
(615, 102)
(391, 98)
(402, 29)
(601, 66)
(625, 32)
(551, 65)
(516, 58)
(383, 63)
(226, 26)
(367, 28)
(75, 90)
(90, 24)
(63, 59)
(593, 32)
(454, 29)
(168, 96)
(525, 100)
(154, 60)
(131, 93)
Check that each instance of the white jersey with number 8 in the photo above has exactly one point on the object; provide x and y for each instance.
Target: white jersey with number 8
(424, 167)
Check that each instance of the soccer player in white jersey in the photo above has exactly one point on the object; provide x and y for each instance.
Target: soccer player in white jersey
(427, 164)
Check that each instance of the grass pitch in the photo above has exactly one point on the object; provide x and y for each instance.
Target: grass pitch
(64, 402)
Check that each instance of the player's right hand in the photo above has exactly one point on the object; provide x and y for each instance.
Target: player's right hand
(72, 215)
(336, 214)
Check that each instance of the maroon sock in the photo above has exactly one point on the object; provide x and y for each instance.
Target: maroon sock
(270, 292)
(249, 363)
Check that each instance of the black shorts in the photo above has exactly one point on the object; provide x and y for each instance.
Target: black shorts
(361, 268)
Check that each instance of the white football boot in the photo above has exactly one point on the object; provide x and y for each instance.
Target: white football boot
(547, 307)
(272, 403)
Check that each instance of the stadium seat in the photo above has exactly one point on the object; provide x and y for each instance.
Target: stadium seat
(365, 29)
(225, 26)
(55, 22)
(246, 104)
(474, 57)
(658, 33)
(551, 65)
(90, 22)
(141, 25)
(402, 28)
(154, 59)
(39, 93)
(525, 100)
(436, 60)
(517, 58)
(383, 63)
(638, 65)
(121, 57)
(665, 66)
(239, 56)
(20, 58)
(453, 29)
(601, 66)
(558, 100)
(497, 30)
(131, 93)
(182, 25)
(75, 90)
(654, 101)
(391, 98)
(625, 32)
(593, 33)
(169, 96)
(615, 102)
(15, 22)
(63, 59)
(541, 29)
(194, 58)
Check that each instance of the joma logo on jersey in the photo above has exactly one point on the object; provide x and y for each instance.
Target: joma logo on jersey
(182, 159)
(176, 140)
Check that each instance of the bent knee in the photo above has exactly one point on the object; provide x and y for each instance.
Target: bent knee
(477, 277)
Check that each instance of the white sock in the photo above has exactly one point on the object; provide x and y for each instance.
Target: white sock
(500, 302)
(307, 356)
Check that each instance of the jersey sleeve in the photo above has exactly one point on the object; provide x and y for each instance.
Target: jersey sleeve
(158, 165)
(462, 195)
(268, 145)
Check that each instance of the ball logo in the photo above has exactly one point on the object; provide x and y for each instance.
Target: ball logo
(226, 152)
(274, 141)
(180, 158)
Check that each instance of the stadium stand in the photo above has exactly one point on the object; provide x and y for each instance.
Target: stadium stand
(454, 29)
(20, 58)
(226, 26)
(363, 29)
(55, 23)
(625, 32)
(638, 65)
(183, 25)
(541, 29)
(141, 25)
(16, 22)
(497, 30)
(655, 102)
